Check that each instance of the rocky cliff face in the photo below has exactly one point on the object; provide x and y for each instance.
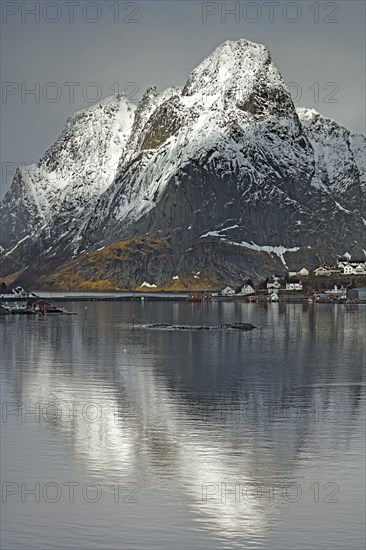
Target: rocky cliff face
(224, 169)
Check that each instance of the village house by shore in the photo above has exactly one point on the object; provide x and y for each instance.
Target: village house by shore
(346, 280)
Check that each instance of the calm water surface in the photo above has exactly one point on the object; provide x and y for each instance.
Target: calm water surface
(114, 438)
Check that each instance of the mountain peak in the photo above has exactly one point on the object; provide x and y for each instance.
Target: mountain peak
(242, 73)
(225, 168)
(228, 62)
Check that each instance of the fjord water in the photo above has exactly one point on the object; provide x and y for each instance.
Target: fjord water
(208, 439)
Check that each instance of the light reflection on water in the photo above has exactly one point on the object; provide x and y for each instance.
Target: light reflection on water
(226, 439)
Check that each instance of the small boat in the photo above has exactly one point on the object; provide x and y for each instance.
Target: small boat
(200, 297)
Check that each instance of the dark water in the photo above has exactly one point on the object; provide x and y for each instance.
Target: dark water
(158, 439)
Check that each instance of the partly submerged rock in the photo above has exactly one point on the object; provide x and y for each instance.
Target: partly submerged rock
(237, 326)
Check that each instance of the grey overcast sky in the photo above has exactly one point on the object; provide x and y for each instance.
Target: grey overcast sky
(109, 46)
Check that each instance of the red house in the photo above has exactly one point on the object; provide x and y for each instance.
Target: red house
(42, 306)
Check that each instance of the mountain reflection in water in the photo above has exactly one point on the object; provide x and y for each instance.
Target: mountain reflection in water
(221, 419)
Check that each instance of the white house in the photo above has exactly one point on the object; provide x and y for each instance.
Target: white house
(303, 272)
(273, 285)
(228, 291)
(20, 292)
(322, 270)
(357, 269)
(247, 289)
(294, 285)
(354, 267)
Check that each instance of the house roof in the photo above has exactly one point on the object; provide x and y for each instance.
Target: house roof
(6, 291)
(357, 261)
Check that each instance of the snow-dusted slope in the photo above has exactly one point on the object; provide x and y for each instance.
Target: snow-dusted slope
(66, 182)
(358, 148)
(224, 167)
(339, 158)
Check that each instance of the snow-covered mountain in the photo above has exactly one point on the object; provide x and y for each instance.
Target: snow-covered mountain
(222, 177)
(61, 189)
